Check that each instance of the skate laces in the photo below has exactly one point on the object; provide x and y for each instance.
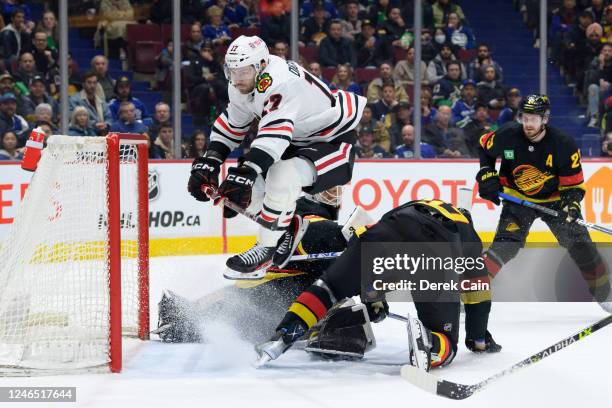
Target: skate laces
(254, 255)
(285, 244)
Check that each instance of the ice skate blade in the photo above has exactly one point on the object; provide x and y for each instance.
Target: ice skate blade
(607, 306)
(235, 275)
(262, 360)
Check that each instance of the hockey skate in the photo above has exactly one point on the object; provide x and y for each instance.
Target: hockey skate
(607, 303)
(603, 296)
(419, 344)
(290, 240)
(251, 264)
(280, 342)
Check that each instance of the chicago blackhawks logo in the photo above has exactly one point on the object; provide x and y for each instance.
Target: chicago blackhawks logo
(264, 82)
(529, 179)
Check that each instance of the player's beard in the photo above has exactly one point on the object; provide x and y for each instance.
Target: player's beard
(245, 89)
(536, 135)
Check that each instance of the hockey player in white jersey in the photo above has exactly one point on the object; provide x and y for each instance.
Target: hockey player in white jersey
(304, 143)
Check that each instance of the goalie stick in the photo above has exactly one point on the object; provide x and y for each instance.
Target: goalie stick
(552, 212)
(457, 391)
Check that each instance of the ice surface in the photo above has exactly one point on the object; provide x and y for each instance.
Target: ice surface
(219, 373)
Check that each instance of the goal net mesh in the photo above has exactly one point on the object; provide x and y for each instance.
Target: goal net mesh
(54, 269)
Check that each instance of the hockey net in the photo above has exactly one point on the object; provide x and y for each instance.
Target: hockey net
(74, 266)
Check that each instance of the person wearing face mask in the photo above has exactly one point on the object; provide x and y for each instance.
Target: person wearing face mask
(439, 36)
(539, 163)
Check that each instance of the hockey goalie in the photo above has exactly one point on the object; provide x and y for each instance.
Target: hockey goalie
(304, 143)
(253, 308)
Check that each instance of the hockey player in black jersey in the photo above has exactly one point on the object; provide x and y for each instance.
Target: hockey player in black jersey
(254, 307)
(541, 164)
(333, 325)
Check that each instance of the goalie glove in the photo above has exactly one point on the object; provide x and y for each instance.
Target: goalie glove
(177, 322)
(488, 184)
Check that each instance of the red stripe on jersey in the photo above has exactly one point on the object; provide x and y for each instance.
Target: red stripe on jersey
(492, 266)
(350, 104)
(326, 132)
(504, 181)
(226, 127)
(597, 272)
(571, 180)
(331, 161)
(267, 218)
(313, 303)
(287, 128)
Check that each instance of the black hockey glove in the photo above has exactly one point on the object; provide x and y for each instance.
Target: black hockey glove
(570, 206)
(377, 311)
(237, 188)
(486, 345)
(488, 184)
(204, 178)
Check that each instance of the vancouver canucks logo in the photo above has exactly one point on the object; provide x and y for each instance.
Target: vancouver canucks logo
(529, 179)
(263, 82)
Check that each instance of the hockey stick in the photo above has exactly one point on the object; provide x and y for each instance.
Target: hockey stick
(552, 212)
(398, 317)
(235, 207)
(311, 257)
(457, 391)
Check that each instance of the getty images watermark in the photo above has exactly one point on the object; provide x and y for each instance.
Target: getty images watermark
(429, 266)
(422, 271)
(442, 271)
(38, 394)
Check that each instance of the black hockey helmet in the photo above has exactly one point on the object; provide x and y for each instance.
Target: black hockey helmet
(535, 104)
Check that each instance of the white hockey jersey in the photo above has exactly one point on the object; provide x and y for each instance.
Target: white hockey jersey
(293, 107)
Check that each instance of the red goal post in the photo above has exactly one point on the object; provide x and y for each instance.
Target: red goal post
(114, 141)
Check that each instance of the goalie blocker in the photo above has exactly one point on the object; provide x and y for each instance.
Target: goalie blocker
(434, 334)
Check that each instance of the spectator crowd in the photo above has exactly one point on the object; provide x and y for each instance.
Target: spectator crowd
(362, 46)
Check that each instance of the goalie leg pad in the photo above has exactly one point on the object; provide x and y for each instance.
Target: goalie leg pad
(344, 333)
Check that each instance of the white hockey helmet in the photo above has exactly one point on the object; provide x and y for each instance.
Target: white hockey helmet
(246, 51)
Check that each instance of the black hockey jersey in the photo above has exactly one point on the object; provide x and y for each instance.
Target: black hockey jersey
(536, 172)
